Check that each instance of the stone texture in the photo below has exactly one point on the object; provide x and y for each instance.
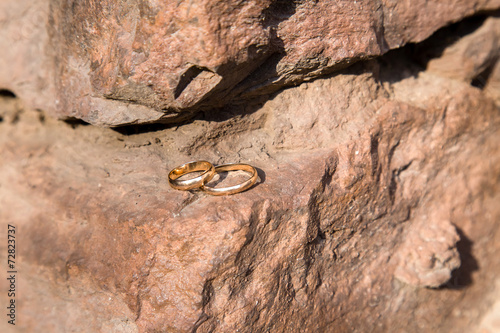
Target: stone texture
(148, 61)
(375, 184)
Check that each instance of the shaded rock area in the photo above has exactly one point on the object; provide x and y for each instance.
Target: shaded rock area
(163, 61)
(377, 208)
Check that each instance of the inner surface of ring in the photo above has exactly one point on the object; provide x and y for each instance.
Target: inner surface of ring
(249, 171)
(189, 168)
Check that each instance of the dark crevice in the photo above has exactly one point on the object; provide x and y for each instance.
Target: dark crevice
(481, 79)
(395, 173)
(462, 276)
(146, 128)
(393, 185)
(41, 116)
(399, 64)
(374, 142)
(75, 122)
(208, 292)
(5, 93)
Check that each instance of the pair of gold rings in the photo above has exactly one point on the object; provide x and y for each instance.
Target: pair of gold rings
(208, 172)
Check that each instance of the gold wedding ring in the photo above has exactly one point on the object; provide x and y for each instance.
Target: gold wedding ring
(196, 182)
(236, 188)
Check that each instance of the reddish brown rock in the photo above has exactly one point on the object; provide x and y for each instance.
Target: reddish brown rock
(148, 61)
(375, 183)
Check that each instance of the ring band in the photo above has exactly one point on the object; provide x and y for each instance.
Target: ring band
(196, 182)
(236, 188)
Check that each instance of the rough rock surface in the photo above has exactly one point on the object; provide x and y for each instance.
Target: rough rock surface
(377, 185)
(162, 61)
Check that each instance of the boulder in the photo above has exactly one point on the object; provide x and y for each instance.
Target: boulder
(147, 61)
